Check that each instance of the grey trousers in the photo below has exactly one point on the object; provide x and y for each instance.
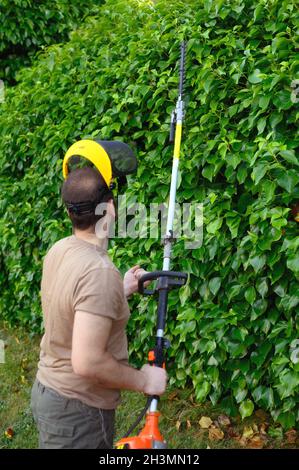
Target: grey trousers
(68, 423)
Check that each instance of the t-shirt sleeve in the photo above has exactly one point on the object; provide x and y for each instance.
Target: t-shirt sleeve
(100, 292)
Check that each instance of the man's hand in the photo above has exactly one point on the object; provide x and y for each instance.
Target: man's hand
(131, 280)
(155, 380)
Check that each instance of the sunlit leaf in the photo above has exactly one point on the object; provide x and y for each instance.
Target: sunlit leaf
(205, 422)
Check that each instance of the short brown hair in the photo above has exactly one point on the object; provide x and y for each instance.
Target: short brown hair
(84, 185)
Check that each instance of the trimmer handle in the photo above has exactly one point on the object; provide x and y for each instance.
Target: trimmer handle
(166, 280)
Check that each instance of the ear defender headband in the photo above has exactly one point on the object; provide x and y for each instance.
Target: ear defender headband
(111, 158)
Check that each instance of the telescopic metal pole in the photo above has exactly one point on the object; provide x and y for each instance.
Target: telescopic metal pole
(176, 124)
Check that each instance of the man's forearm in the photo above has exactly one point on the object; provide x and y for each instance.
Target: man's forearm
(113, 374)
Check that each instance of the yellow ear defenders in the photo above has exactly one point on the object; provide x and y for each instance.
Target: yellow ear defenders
(111, 158)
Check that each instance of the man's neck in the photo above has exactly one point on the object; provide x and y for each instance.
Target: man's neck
(90, 237)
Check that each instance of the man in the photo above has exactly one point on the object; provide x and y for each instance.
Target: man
(84, 359)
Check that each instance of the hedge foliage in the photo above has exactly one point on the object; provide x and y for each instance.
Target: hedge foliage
(27, 25)
(234, 332)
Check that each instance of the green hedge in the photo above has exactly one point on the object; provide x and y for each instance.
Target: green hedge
(233, 333)
(27, 25)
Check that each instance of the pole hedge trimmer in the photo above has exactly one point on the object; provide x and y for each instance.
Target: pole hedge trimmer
(150, 436)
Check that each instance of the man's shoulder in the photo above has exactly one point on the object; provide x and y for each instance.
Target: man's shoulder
(78, 255)
(63, 242)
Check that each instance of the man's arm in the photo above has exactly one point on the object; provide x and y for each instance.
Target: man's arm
(91, 359)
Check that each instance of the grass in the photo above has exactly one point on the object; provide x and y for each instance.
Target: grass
(180, 414)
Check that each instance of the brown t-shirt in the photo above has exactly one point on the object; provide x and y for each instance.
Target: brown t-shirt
(78, 275)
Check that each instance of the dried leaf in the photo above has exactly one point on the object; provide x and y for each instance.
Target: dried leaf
(191, 399)
(255, 428)
(291, 436)
(178, 425)
(242, 441)
(247, 432)
(223, 420)
(205, 422)
(232, 432)
(257, 442)
(9, 433)
(215, 434)
(24, 364)
(172, 396)
(188, 424)
(263, 428)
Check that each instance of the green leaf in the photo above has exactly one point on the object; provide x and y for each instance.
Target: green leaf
(208, 172)
(290, 156)
(288, 180)
(202, 390)
(258, 12)
(293, 262)
(261, 125)
(246, 408)
(264, 396)
(233, 224)
(287, 420)
(289, 381)
(256, 76)
(259, 356)
(184, 294)
(240, 394)
(214, 226)
(181, 374)
(275, 432)
(250, 295)
(259, 307)
(214, 285)
(259, 172)
(262, 287)
(229, 407)
(282, 99)
(264, 102)
(258, 262)
(241, 173)
(269, 189)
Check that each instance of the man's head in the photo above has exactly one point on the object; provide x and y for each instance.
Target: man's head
(81, 192)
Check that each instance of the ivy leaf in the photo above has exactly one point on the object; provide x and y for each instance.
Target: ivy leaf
(290, 156)
(262, 287)
(261, 125)
(258, 262)
(293, 262)
(250, 295)
(214, 226)
(246, 408)
(259, 172)
(289, 381)
(282, 100)
(287, 420)
(288, 180)
(256, 76)
(214, 285)
(264, 396)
